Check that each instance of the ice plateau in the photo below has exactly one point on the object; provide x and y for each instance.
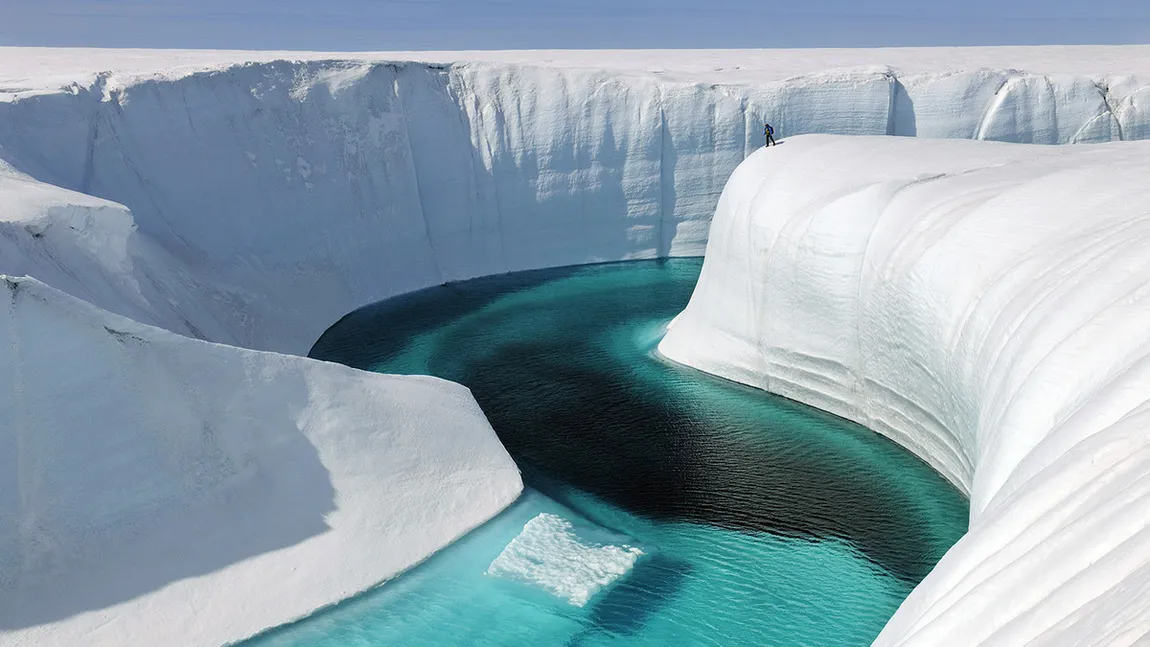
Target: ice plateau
(246, 200)
(985, 305)
(256, 187)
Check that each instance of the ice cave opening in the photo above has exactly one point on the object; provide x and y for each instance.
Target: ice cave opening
(664, 505)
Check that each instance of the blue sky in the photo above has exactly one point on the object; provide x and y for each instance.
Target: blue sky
(519, 24)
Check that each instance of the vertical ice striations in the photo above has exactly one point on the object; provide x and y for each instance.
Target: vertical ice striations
(150, 480)
(986, 306)
(404, 175)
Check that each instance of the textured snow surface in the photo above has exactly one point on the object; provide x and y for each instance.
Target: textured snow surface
(550, 554)
(252, 198)
(270, 198)
(985, 305)
(160, 490)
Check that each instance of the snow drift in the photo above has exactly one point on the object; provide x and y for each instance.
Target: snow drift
(156, 487)
(985, 305)
(244, 199)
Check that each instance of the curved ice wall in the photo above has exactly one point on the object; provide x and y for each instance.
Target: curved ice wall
(284, 195)
(985, 305)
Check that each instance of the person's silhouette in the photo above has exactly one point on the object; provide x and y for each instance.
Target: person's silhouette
(769, 134)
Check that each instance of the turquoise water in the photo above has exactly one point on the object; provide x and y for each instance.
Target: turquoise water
(760, 521)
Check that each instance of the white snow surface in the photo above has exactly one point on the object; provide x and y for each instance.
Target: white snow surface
(985, 305)
(253, 198)
(551, 555)
(273, 192)
(39, 69)
(161, 490)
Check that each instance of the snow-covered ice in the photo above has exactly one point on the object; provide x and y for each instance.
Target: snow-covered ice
(252, 198)
(291, 191)
(160, 490)
(985, 305)
(551, 555)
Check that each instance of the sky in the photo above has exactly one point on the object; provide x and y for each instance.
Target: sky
(359, 25)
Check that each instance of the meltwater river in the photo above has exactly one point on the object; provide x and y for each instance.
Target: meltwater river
(664, 506)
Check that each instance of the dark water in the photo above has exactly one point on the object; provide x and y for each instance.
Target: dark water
(762, 521)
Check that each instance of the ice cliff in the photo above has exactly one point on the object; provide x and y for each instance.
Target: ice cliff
(985, 305)
(249, 200)
(285, 194)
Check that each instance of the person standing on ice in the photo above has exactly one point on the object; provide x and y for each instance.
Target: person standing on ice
(769, 134)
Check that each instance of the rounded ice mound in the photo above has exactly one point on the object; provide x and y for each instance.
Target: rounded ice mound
(985, 305)
(553, 556)
(146, 470)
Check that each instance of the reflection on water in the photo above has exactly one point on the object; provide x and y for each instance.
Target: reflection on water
(761, 521)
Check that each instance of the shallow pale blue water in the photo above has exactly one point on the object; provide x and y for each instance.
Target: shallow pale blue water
(761, 521)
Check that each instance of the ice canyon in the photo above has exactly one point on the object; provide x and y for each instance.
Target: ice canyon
(202, 217)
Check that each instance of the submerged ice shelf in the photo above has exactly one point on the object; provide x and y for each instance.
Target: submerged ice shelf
(550, 554)
(251, 198)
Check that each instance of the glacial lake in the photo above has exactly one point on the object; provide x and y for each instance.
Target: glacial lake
(663, 506)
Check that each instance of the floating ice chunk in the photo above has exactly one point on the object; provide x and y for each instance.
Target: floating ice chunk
(550, 555)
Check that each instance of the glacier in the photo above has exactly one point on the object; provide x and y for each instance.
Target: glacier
(406, 174)
(246, 200)
(984, 305)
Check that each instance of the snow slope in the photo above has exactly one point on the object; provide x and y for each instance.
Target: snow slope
(985, 305)
(159, 490)
(408, 174)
